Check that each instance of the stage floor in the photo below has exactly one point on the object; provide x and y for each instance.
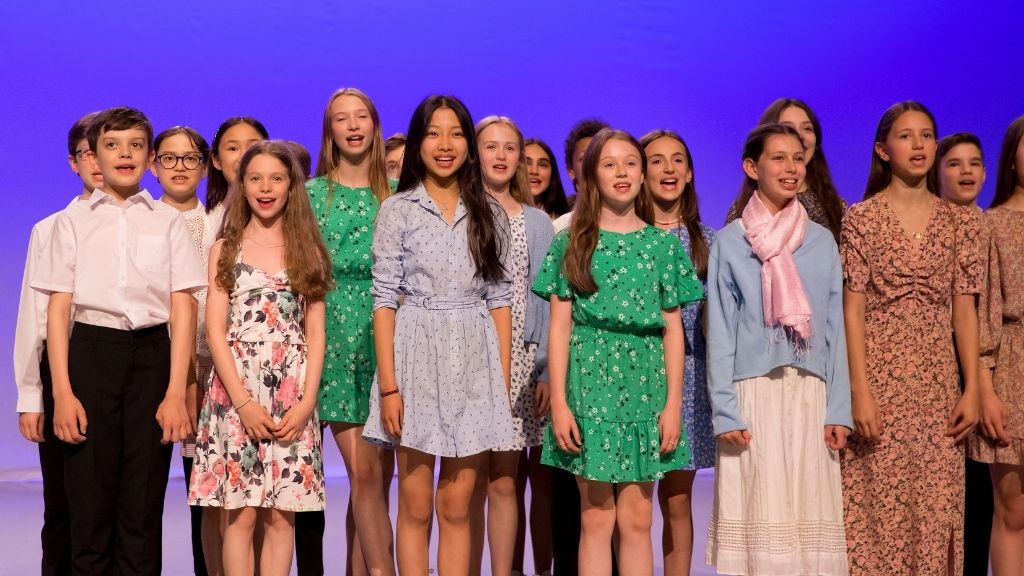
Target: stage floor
(22, 505)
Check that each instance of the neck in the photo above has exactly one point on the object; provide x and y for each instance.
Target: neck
(265, 228)
(86, 193)
(622, 219)
(667, 214)
(1016, 200)
(773, 206)
(441, 186)
(908, 188)
(972, 203)
(352, 173)
(121, 193)
(181, 205)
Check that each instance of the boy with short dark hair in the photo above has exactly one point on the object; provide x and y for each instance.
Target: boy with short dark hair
(126, 264)
(575, 145)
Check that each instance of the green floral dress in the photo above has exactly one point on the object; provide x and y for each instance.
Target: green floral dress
(346, 219)
(615, 382)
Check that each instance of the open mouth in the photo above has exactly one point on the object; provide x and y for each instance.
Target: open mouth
(500, 167)
(967, 183)
(918, 159)
(125, 169)
(265, 202)
(623, 187)
(355, 140)
(788, 183)
(444, 162)
(669, 184)
(179, 179)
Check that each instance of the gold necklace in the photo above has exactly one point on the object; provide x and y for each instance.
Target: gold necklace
(676, 221)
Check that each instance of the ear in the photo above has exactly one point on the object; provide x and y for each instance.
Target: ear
(689, 176)
(881, 151)
(216, 162)
(73, 163)
(152, 170)
(750, 168)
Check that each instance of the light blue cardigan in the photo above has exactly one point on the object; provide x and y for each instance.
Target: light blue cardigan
(739, 344)
(539, 233)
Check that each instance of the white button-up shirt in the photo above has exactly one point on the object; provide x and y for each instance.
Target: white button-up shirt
(120, 261)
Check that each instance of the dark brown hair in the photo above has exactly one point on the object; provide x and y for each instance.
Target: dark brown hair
(77, 132)
(485, 235)
(118, 118)
(216, 184)
(394, 142)
(302, 155)
(880, 174)
(752, 150)
(585, 228)
(1009, 176)
(198, 142)
(689, 207)
(329, 158)
(552, 200)
(306, 259)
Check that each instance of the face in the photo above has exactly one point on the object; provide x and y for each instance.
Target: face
(444, 149)
(266, 186)
(393, 162)
(961, 174)
(797, 119)
(619, 175)
(577, 160)
(499, 154)
(538, 169)
(182, 179)
(668, 169)
(232, 145)
(351, 126)
(779, 171)
(123, 156)
(83, 163)
(910, 145)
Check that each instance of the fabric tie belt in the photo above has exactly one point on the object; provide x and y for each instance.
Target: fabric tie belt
(443, 303)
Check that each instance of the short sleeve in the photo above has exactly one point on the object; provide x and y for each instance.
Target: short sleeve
(969, 271)
(388, 255)
(679, 283)
(551, 280)
(856, 270)
(56, 271)
(990, 305)
(187, 272)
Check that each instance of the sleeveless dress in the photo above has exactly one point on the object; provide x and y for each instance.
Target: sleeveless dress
(266, 337)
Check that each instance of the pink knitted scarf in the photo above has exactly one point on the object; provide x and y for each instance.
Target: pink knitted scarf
(773, 239)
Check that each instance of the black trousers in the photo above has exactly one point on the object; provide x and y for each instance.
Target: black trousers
(56, 533)
(978, 511)
(195, 514)
(309, 538)
(565, 522)
(116, 479)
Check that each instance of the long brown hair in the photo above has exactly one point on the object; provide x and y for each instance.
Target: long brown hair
(552, 200)
(689, 207)
(1007, 178)
(880, 174)
(586, 219)
(752, 150)
(306, 259)
(330, 154)
(519, 187)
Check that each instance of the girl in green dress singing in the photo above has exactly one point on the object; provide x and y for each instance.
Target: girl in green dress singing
(615, 355)
(350, 183)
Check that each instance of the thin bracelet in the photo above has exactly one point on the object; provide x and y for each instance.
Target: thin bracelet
(237, 408)
(388, 393)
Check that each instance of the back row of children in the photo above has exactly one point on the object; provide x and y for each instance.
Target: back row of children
(406, 322)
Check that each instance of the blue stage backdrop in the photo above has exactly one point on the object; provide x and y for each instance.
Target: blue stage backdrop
(704, 69)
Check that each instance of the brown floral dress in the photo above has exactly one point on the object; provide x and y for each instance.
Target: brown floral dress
(1001, 314)
(904, 494)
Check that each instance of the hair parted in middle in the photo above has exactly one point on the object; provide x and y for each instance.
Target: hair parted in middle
(330, 153)
(486, 234)
(586, 221)
(880, 174)
(306, 259)
(519, 187)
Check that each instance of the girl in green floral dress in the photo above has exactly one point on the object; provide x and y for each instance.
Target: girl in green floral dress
(615, 283)
(351, 182)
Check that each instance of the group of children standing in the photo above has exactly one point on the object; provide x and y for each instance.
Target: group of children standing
(829, 362)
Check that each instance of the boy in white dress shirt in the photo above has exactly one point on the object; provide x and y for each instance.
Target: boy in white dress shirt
(32, 370)
(127, 266)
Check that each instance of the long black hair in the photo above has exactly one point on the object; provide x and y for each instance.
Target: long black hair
(485, 235)
(880, 173)
(216, 184)
(552, 200)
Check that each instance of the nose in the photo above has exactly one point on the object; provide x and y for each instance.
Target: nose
(531, 168)
(669, 168)
(125, 151)
(790, 165)
(444, 142)
(966, 168)
(620, 170)
(501, 153)
(916, 141)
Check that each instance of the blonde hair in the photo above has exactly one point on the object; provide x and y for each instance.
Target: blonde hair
(519, 187)
(330, 154)
(306, 259)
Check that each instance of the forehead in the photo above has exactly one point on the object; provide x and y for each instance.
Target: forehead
(794, 114)
(133, 133)
(241, 131)
(665, 145)
(964, 149)
(444, 117)
(581, 144)
(912, 119)
(179, 141)
(618, 148)
(499, 131)
(266, 163)
(783, 143)
(536, 150)
(347, 103)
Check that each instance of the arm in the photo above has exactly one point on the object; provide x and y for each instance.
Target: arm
(29, 337)
(69, 418)
(563, 423)
(867, 419)
(965, 329)
(990, 324)
(838, 418)
(172, 414)
(392, 410)
(388, 274)
(722, 325)
(503, 324)
(670, 423)
(292, 425)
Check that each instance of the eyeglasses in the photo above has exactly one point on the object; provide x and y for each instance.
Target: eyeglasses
(190, 161)
(84, 153)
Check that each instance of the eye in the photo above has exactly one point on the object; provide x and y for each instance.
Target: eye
(432, 133)
(490, 147)
(109, 145)
(194, 158)
(655, 162)
(232, 148)
(457, 134)
(136, 145)
(928, 135)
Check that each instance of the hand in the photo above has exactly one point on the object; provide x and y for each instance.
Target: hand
(670, 428)
(257, 422)
(740, 438)
(964, 418)
(31, 426)
(867, 419)
(835, 436)
(290, 428)
(564, 429)
(69, 420)
(392, 414)
(173, 419)
(542, 399)
(993, 419)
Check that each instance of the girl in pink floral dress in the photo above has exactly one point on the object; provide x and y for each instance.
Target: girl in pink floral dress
(258, 443)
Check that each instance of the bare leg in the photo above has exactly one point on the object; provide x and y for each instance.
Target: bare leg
(455, 488)
(415, 510)
(633, 519)
(369, 508)
(1007, 548)
(522, 474)
(597, 523)
(212, 531)
(502, 510)
(278, 541)
(674, 496)
(540, 512)
(237, 548)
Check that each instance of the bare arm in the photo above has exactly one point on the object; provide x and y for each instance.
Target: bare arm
(503, 323)
(965, 329)
(292, 425)
(172, 414)
(670, 420)
(867, 419)
(69, 418)
(563, 422)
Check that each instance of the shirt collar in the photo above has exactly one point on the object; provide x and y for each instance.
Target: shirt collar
(420, 196)
(141, 197)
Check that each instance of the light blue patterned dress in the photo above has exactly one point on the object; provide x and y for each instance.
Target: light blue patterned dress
(696, 404)
(447, 363)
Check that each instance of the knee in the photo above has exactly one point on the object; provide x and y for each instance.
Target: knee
(634, 520)
(1010, 513)
(242, 519)
(598, 521)
(502, 488)
(415, 512)
(675, 507)
(365, 477)
(454, 510)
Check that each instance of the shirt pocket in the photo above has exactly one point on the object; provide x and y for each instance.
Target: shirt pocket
(151, 253)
